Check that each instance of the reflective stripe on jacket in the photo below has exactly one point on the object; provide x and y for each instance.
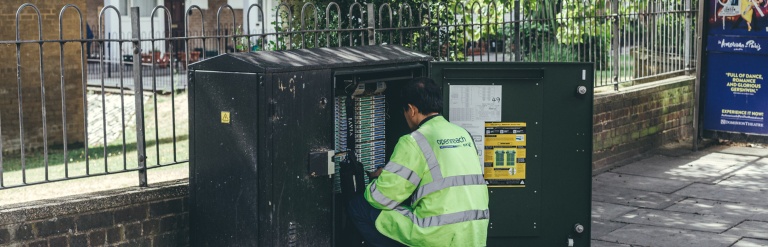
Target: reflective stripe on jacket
(438, 169)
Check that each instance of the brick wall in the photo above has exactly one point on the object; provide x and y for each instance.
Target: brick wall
(640, 118)
(30, 75)
(226, 24)
(94, 7)
(155, 216)
(210, 17)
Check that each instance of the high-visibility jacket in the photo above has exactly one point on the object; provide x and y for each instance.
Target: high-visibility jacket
(438, 169)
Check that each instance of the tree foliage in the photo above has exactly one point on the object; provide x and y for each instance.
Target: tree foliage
(579, 20)
(445, 26)
(446, 29)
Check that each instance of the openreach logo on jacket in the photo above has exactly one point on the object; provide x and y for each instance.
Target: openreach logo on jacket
(453, 142)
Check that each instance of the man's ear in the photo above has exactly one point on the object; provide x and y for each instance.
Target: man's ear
(412, 110)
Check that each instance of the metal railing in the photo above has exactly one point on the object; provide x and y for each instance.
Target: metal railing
(627, 40)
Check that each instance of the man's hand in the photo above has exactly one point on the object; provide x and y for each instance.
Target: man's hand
(376, 173)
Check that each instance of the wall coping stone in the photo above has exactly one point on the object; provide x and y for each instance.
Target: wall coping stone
(656, 86)
(92, 202)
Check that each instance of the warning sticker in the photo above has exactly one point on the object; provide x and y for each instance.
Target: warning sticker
(225, 117)
(505, 151)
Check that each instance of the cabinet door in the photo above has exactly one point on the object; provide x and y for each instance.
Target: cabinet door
(300, 123)
(540, 204)
(223, 159)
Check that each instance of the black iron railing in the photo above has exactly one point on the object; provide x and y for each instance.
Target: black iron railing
(131, 114)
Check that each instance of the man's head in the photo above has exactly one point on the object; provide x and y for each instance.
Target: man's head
(421, 99)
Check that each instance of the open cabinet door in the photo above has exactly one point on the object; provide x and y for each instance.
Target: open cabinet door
(532, 124)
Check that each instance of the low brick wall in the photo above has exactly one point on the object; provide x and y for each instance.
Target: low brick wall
(155, 216)
(639, 118)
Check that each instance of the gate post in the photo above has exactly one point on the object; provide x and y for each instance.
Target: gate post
(518, 46)
(616, 43)
(371, 24)
(697, 128)
(138, 89)
(687, 46)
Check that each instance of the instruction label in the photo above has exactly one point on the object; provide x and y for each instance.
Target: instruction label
(505, 151)
(471, 106)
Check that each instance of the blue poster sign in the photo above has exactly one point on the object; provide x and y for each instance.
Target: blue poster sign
(735, 98)
(736, 57)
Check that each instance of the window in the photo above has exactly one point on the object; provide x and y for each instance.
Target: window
(145, 7)
(256, 12)
(203, 4)
(236, 4)
(123, 7)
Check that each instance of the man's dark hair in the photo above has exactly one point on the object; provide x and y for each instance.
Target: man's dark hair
(423, 93)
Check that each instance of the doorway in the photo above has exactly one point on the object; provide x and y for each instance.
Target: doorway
(177, 9)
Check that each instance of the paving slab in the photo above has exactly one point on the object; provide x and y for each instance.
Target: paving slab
(726, 193)
(754, 175)
(707, 223)
(708, 168)
(715, 152)
(601, 228)
(763, 161)
(719, 208)
(638, 182)
(598, 243)
(746, 151)
(757, 168)
(729, 157)
(656, 161)
(761, 214)
(744, 182)
(607, 211)
(674, 149)
(667, 237)
(750, 229)
(716, 197)
(634, 198)
(701, 153)
(749, 242)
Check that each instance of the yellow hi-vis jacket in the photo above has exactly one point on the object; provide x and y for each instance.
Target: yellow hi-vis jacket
(437, 167)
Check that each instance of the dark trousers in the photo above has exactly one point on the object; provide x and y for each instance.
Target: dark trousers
(363, 215)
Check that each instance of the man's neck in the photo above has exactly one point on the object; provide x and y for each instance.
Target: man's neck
(424, 118)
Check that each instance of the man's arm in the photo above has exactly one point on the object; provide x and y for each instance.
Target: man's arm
(377, 173)
(399, 178)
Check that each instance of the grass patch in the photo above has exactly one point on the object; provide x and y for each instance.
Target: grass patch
(166, 142)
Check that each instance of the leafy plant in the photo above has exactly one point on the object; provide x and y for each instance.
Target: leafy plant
(554, 52)
(241, 42)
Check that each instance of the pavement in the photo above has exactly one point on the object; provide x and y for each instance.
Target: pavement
(675, 197)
